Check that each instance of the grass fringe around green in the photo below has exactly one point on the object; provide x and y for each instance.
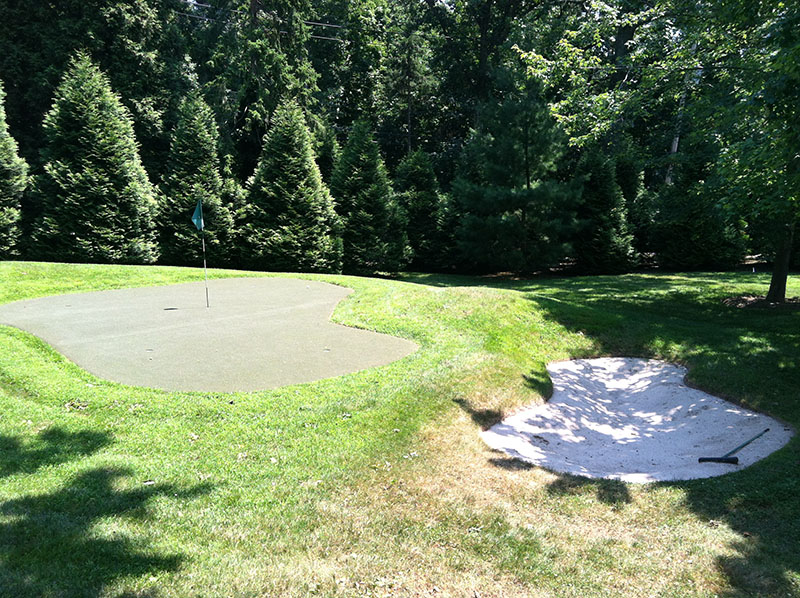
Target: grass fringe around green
(376, 483)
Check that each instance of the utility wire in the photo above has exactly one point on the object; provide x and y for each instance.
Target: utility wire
(282, 32)
(241, 12)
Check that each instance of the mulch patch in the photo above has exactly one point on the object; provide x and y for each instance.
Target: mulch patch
(760, 302)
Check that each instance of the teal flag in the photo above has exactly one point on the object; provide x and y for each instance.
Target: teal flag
(197, 217)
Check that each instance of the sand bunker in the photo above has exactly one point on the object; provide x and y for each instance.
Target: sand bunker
(633, 420)
(258, 333)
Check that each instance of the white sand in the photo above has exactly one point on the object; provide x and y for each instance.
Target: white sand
(633, 420)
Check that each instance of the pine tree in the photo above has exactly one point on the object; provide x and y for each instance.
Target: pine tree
(603, 243)
(193, 174)
(418, 191)
(374, 234)
(13, 181)
(694, 231)
(98, 204)
(513, 214)
(289, 222)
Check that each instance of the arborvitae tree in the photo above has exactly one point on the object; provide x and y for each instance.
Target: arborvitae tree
(289, 222)
(603, 242)
(136, 44)
(98, 204)
(13, 181)
(374, 224)
(193, 174)
(418, 191)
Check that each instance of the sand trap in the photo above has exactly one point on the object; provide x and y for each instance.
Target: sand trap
(633, 420)
(259, 333)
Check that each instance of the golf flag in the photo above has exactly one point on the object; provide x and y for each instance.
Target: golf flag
(197, 217)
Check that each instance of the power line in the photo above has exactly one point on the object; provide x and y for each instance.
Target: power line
(241, 12)
(323, 24)
(199, 17)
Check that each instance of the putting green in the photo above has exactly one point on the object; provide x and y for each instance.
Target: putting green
(259, 333)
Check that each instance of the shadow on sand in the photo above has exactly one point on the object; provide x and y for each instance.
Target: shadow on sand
(731, 353)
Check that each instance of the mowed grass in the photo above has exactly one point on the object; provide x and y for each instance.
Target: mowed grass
(377, 483)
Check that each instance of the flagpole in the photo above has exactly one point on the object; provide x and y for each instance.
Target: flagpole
(197, 219)
(205, 269)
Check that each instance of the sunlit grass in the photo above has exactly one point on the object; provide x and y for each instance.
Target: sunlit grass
(376, 483)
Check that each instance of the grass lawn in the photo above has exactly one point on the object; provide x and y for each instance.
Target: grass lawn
(376, 483)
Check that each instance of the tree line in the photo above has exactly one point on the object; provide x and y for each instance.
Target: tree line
(372, 136)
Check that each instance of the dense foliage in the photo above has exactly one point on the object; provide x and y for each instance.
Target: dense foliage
(606, 135)
(374, 224)
(13, 180)
(288, 222)
(192, 175)
(97, 202)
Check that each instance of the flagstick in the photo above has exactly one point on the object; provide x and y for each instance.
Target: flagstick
(205, 270)
(197, 219)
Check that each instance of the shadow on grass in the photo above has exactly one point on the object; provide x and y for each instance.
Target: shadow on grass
(750, 357)
(49, 542)
(510, 464)
(761, 505)
(51, 447)
(485, 418)
(539, 382)
(610, 492)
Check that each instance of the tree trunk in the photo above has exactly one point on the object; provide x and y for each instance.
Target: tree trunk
(526, 142)
(780, 271)
(689, 77)
(624, 35)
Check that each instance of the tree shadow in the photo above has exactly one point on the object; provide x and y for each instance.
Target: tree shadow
(610, 492)
(539, 381)
(485, 418)
(748, 357)
(511, 464)
(49, 543)
(760, 504)
(50, 447)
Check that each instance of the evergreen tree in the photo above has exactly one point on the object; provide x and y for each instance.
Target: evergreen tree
(13, 181)
(408, 108)
(418, 192)
(603, 243)
(638, 201)
(193, 174)
(136, 44)
(374, 224)
(258, 55)
(512, 212)
(98, 204)
(328, 151)
(692, 228)
(289, 222)
(694, 231)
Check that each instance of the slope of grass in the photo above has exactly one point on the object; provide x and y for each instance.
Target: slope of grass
(376, 483)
